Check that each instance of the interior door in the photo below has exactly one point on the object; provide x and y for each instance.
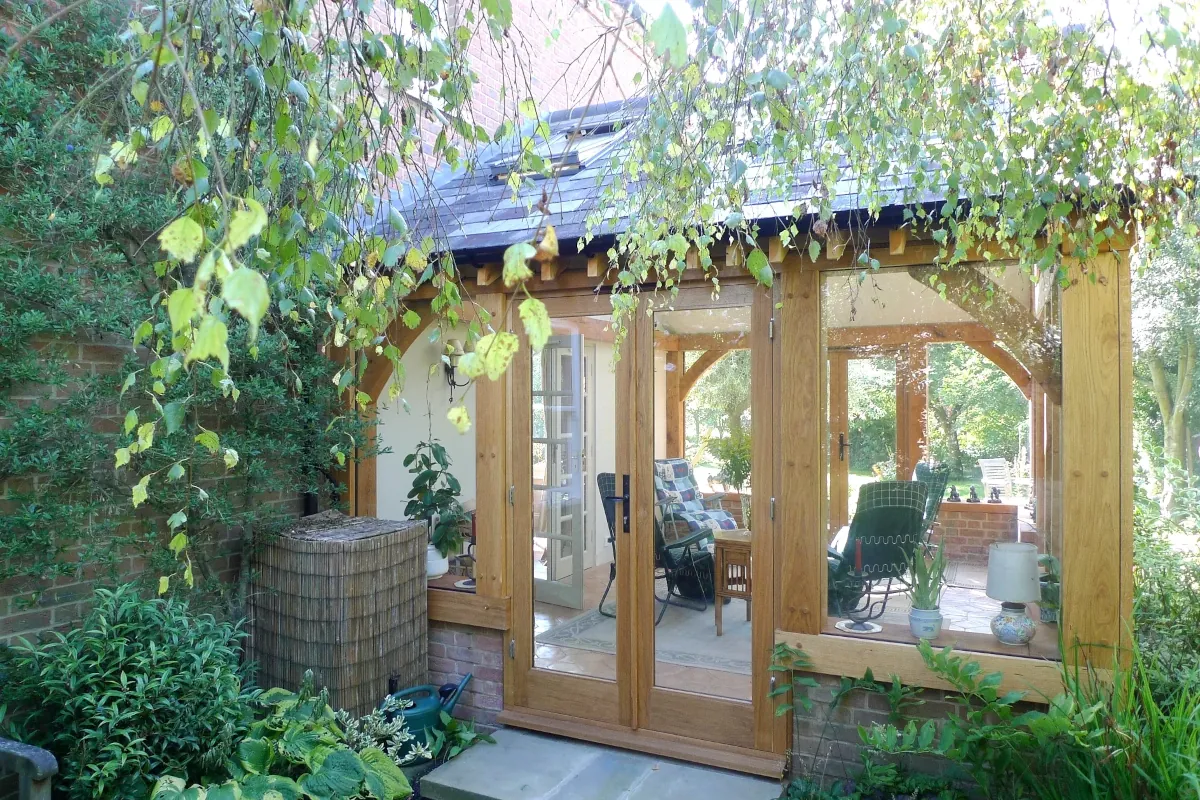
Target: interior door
(557, 390)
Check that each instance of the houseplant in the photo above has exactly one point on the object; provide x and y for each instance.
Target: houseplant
(732, 454)
(1051, 588)
(434, 498)
(928, 571)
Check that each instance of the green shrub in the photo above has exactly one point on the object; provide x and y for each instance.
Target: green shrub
(295, 749)
(1097, 739)
(144, 688)
(1166, 605)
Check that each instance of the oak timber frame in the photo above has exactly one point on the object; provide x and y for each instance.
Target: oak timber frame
(1096, 493)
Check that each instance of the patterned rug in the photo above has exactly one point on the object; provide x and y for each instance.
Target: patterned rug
(685, 637)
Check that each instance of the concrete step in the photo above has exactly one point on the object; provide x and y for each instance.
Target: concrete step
(531, 766)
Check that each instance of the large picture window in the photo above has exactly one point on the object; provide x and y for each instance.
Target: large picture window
(943, 400)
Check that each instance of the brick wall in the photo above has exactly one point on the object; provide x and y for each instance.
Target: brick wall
(826, 746)
(969, 528)
(455, 650)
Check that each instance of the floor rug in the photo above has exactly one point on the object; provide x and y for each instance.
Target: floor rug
(685, 637)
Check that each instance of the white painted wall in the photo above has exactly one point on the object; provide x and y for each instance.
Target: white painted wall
(892, 297)
(401, 429)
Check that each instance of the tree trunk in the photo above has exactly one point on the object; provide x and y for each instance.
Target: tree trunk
(947, 419)
(1173, 405)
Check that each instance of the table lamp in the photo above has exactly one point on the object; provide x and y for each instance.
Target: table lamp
(1012, 579)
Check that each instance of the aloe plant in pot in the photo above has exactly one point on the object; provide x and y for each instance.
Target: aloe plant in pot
(928, 572)
(1051, 588)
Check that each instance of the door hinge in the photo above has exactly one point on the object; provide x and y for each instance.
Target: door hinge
(771, 329)
(512, 648)
(512, 495)
(772, 508)
(772, 683)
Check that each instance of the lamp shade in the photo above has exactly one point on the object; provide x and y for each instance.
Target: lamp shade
(1013, 572)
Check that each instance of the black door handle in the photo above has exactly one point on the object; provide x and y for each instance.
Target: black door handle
(624, 498)
(843, 446)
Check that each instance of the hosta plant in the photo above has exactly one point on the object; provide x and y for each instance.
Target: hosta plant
(296, 749)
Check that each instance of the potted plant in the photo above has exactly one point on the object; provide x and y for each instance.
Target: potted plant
(928, 571)
(434, 498)
(732, 454)
(1051, 588)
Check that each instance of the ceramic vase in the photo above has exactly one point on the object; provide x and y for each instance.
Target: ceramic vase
(1012, 625)
(925, 623)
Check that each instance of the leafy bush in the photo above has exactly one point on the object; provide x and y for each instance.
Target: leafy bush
(385, 728)
(877, 782)
(144, 688)
(296, 749)
(1096, 739)
(1166, 606)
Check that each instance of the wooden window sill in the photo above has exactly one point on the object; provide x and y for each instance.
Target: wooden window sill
(467, 608)
(846, 655)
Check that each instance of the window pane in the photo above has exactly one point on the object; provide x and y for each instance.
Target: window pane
(943, 419)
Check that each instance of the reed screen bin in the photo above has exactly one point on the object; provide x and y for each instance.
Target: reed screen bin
(344, 597)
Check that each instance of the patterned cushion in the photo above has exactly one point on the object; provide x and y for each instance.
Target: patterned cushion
(680, 500)
(675, 486)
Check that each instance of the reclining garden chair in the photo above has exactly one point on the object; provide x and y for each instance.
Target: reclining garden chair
(935, 480)
(870, 566)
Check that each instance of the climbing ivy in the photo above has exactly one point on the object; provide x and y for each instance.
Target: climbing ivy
(76, 271)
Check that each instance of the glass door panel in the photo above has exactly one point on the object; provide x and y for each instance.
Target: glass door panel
(573, 423)
(703, 572)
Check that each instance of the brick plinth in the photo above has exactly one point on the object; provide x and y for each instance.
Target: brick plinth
(968, 529)
(455, 650)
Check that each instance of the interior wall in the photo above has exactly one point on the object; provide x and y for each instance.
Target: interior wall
(400, 428)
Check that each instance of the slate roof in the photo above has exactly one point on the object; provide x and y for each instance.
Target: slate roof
(475, 214)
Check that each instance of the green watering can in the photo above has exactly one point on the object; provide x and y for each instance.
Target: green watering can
(428, 703)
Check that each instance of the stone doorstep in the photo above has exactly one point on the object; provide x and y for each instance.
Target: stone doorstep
(531, 766)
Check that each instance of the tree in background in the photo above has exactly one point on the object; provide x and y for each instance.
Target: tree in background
(979, 412)
(725, 390)
(871, 413)
(1166, 332)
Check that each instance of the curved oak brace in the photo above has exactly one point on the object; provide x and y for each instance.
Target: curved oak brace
(1029, 339)
(1005, 361)
(703, 364)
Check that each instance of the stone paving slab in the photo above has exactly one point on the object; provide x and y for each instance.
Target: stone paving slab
(530, 766)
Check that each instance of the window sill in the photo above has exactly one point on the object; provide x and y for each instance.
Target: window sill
(843, 655)
(467, 608)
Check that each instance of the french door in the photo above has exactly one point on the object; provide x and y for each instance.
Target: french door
(615, 588)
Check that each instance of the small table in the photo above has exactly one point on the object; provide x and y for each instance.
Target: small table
(731, 568)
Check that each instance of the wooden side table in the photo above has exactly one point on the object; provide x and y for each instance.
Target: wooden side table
(731, 568)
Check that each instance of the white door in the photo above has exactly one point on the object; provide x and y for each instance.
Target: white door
(558, 486)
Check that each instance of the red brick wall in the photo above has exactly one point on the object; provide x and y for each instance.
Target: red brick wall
(826, 746)
(968, 529)
(455, 650)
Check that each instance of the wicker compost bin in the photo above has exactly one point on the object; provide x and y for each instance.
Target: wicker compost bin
(344, 597)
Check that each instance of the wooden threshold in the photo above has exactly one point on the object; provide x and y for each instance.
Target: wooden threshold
(466, 608)
(851, 656)
(736, 759)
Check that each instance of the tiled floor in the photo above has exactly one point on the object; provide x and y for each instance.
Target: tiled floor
(603, 665)
(965, 607)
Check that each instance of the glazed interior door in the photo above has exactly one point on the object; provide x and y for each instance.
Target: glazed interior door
(558, 400)
(572, 610)
(863, 384)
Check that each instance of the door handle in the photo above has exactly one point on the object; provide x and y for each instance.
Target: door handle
(624, 498)
(843, 446)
